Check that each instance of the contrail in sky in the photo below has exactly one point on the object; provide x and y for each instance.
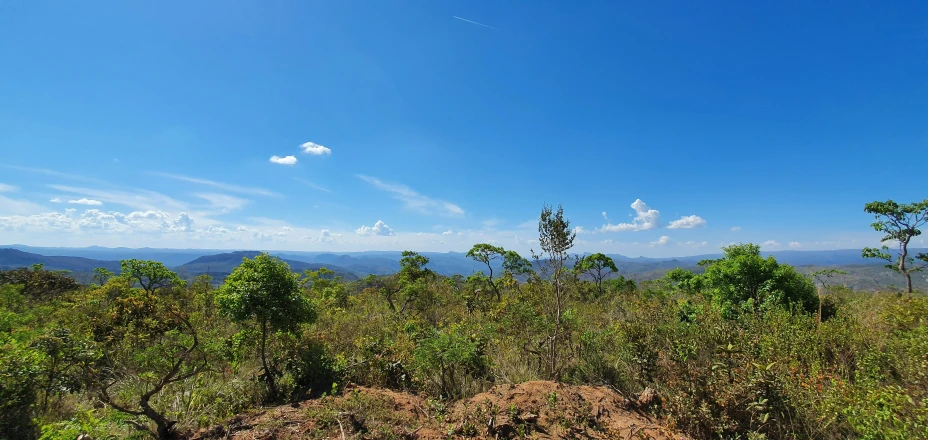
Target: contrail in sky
(474, 22)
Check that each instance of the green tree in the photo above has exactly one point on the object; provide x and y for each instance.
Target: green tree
(409, 283)
(101, 274)
(512, 263)
(487, 253)
(19, 384)
(900, 223)
(65, 359)
(556, 238)
(598, 266)
(742, 276)
(150, 275)
(265, 293)
(146, 344)
(38, 283)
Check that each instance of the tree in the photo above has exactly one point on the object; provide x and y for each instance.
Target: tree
(38, 283)
(598, 266)
(900, 223)
(513, 265)
(822, 276)
(146, 344)
(101, 274)
(264, 292)
(487, 253)
(743, 276)
(150, 275)
(555, 238)
(409, 283)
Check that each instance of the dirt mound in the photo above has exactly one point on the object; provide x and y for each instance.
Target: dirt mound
(532, 409)
(545, 409)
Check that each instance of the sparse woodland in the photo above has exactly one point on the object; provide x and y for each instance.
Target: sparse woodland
(748, 349)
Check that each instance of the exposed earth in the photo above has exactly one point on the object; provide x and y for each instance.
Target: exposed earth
(540, 410)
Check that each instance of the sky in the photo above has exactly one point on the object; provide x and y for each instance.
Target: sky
(662, 128)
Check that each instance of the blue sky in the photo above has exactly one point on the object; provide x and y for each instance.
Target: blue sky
(154, 123)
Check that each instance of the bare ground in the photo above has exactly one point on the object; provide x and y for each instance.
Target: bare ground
(540, 410)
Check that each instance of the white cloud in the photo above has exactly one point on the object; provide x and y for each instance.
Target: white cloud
(770, 243)
(55, 200)
(414, 200)
(327, 236)
(735, 228)
(8, 188)
(286, 160)
(315, 149)
(660, 241)
(605, 217)
(579, 230)
(85, 201)
(96, 220)
(220, 185)
(448, 232)
(795, 244)
(141, 200)
(379, 228)
(645, 218)
(687, 222)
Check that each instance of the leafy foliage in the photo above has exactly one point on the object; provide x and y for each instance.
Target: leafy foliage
(733, 352)
(900, 223)
(264, 292)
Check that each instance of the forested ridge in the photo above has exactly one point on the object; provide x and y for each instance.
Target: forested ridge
(746, 347)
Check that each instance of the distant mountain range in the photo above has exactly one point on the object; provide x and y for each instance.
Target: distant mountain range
(189, 263)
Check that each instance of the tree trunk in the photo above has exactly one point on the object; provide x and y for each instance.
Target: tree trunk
(902, 269)
(269, 375)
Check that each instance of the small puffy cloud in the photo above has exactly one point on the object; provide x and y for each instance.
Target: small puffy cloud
(645, 218)
(660, 241)
(735, 228)
(605, 217)
(315, 149)
(770, 243)
(85, 201)
(448, 232)
(379, 228)
(327, 236)
(687, 222)
(55, 200)
(8, 188)
(795, 245)
(579, 230)
(286, 160)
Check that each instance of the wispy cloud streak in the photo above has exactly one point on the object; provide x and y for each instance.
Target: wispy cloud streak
(473, 22)
(220, 185)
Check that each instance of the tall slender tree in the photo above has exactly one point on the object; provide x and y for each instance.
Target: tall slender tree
(555, 238)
